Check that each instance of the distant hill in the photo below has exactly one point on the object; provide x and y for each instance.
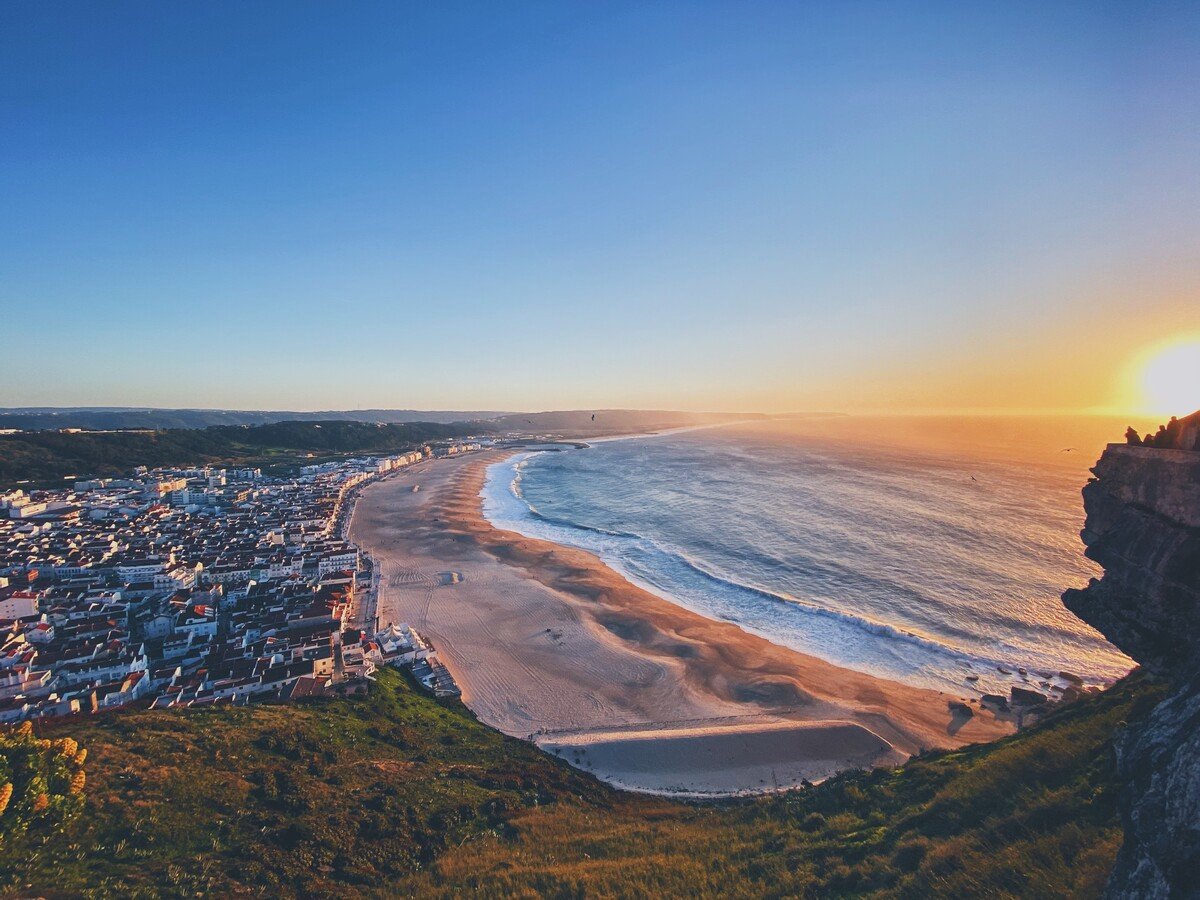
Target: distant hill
(46, 457)
(117, 417)
(113, 440)
(100, 418)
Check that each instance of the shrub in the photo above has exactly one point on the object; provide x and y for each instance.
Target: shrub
(43, 784)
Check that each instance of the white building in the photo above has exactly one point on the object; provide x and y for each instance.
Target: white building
(20, 605)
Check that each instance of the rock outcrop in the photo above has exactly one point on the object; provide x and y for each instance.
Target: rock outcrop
(1143, 527)
(1178, 434)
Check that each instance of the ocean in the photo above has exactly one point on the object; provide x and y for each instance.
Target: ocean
(923, 550)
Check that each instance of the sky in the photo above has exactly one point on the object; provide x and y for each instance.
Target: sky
(739, 206)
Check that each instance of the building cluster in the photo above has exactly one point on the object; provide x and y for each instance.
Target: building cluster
(179, 587)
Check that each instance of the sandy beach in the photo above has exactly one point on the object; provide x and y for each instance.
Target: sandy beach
(548, 643)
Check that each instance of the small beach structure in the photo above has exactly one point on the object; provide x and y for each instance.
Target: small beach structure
(402, 646)
(435, 677)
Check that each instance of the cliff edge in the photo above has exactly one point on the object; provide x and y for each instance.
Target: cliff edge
(1143, 527)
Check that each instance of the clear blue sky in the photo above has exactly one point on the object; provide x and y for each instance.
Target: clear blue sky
(541, 205)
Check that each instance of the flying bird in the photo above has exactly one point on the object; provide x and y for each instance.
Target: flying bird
(1067, 450)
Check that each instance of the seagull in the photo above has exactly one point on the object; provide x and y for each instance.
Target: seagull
(1067, 450)
(973, 478)
(593, 417)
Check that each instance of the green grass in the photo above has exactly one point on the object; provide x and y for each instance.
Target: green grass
(397, 793)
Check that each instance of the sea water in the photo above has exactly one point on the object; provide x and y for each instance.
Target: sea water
(918, 549)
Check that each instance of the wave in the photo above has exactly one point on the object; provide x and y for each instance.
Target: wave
(807, 607)
(535, 513)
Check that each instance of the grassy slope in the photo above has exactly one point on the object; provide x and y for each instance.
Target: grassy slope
(396, 792)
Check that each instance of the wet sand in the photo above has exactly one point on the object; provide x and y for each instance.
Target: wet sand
(691, 760)
(549, 643)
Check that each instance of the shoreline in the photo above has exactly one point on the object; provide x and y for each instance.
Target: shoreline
(854, 639)
(550, 644)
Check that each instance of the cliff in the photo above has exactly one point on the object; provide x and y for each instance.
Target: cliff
(1143, 527)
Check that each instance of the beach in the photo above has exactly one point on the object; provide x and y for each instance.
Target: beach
(550, 644)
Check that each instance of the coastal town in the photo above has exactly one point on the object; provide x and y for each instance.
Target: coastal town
(178, 587)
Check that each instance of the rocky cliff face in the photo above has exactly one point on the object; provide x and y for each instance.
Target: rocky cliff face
(1143, 527)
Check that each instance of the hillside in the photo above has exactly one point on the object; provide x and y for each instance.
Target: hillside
(396, 793)
(47, 457)
(102, 417)
(99, 418)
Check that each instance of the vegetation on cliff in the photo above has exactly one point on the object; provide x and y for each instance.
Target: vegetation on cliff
(46, 457)
(395, 792)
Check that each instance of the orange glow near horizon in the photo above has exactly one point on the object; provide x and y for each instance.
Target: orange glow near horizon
(1165, 379)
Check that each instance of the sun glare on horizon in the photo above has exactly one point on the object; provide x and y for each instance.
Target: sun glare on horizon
(1168, 378)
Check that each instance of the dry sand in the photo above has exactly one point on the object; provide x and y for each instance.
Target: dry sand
(549, 643)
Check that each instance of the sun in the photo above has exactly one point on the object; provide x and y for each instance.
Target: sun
(1170, 378)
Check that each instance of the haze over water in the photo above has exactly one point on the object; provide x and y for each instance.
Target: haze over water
(918, 549)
